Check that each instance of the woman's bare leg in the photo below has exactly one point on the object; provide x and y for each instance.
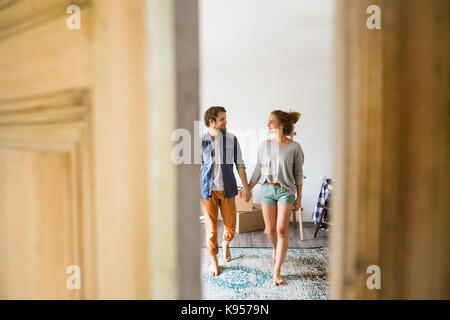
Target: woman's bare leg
(283, 216)
(270, 220)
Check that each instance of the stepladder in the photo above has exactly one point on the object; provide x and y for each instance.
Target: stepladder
(300, 219)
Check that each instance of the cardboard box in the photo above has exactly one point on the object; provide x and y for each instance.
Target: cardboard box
(247, 221)
(241, 205)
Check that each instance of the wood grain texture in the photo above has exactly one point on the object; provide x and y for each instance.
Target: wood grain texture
(46, 208)
(60, 107)
(121, 123)
(392, 138)
(35, 253)
(47, 57)
(19, 15)
(111, 156)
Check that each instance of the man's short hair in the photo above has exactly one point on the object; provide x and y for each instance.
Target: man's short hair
(212, 114)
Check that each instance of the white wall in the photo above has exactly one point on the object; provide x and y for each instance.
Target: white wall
(260, 55)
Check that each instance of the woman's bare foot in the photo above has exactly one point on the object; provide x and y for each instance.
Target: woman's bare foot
(274, 255)
(226, 251)
(277, 280)
(214, 267)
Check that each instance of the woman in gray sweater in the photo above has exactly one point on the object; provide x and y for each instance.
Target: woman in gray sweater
(279, 170)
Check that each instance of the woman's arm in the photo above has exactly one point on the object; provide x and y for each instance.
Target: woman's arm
(298, 201)
(298, 174)
(256, 175)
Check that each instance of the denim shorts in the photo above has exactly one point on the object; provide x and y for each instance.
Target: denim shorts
(273, 195)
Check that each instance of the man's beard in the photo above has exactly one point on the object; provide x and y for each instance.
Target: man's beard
(223, 130)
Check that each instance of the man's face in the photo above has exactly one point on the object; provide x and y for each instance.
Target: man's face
(221, 122)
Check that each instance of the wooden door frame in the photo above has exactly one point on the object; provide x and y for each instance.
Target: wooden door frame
(163, 85)
(391, 198)
(140, 73)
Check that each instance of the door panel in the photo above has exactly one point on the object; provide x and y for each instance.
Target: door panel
(37, 231)
(45, 199)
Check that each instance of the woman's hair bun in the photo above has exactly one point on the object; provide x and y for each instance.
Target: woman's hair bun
(294, 116)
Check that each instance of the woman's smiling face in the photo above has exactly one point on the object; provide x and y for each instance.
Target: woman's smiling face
(273, 124)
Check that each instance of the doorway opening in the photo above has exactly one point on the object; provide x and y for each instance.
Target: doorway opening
(256, 57)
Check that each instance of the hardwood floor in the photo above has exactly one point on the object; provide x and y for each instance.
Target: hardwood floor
(258, 239)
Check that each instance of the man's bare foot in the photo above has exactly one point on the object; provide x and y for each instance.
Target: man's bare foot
(214, 267)
(226, 251)
(277, 280)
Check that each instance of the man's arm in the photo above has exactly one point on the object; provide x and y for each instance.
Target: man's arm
(246, 193)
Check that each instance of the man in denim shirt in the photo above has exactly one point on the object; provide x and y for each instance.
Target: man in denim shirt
(220, 149)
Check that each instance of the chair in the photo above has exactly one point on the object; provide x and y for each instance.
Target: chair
(300, 219)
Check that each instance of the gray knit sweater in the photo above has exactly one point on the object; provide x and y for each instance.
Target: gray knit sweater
(280, 164)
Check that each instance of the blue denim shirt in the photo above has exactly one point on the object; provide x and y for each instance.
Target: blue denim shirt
(231, 153)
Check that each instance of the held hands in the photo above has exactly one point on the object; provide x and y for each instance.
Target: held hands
(297, 204)
(245, 194)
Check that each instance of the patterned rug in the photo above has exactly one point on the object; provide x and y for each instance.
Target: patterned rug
(249, 275)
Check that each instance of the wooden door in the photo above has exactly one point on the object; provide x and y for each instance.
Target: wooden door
(392, 111)
(46, 167)
(75, 143)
